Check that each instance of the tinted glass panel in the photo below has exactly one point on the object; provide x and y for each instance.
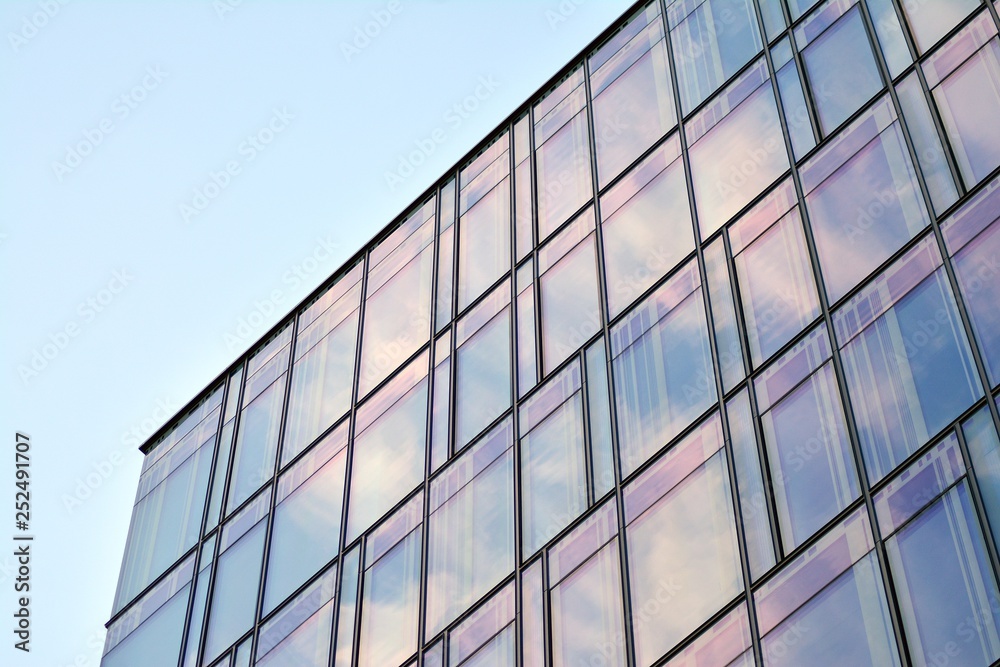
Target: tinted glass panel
(483, 378)
(389, 608)
(564, 180)
(256, 443)
(484, 243)
(932, 19)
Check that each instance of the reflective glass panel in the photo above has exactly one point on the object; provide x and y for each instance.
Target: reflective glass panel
(587, 626)
(840, 67)
(533, 615)
(471, 527)
(472, 637)
(256, 443)
(683, 555)
(930, 20)
(725, 644)
(727, 331)
(300, 633)
(662, 368)
(865, 207)
(946, 588)
(969, 101)
(907, 361)
(388, 456)
(984, 450)
(739, 156)
(637, 108)
(774, 274)
(750, 484)
(973, 239)
(812, 469)
(570, 313)
(305, 534)
(484, 243)
(482, 376)
(646, 226)
(564, 178)
(553, 459)
(712, 40)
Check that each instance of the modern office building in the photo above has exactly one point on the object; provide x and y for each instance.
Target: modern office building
(692, 362)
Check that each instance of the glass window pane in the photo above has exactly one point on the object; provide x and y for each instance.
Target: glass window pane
(646, 226)
(907, 361)
(926, 143)
(727, 331)
(570, 313)
(527, 360)
(389, 608)
(347, 608)
(828, 606)
(396, 319)
(878, 184)
(587, 617)
(234, 595)
(564, 179)
(793, 103)
(947, 591)
(890, 35)
(300, 633)
(812, 470)
(712, 40)
(984, 449)
(684, 562)
(725, 644)
(841, 69)
(305, 534)
(533, 615)
(662, 368)
(969, 101)
(322, 377)
(472, 637)
(634, 111)
(599, 406)
(553, 459)
(471, 528)
(483, 378)
(776, 283)
(484, 243)
(388, 456)
(931, 20)
(499, 652)
(737, 158)
(973, 238)
(256, 443)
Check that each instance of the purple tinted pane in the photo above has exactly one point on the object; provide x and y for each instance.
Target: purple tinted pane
(564, 180)
(484, 244)
(969, 101)
(722, 644)
(865, 211)
(633, 112)
(931, 20)
(569, 304)
(777, 285)
(647, 236)
(737, 159)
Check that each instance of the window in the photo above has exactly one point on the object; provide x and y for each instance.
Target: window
(305, 534)
(484, 223)
(471, 527)
(482, 376)
(633, 97)
(570, 313)
(712, 40)
(553, 458)
(486, 637)
(828, 606)
(839, 62)
(662, 368)
(964, 77)
(389, 445)
(907, 362)
(725, 643)
(562, 154)
(300, 633)
(736, 157)
(932, 19)
(775, 276)
(684, 562)
(586, 594)
(398, 301)
(323, 371)
(391, 591)
(866, 207)
(937, 554)
(972, 236)
(646, 225)
(813, 473)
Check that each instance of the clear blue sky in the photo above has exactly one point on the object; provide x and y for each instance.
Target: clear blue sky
(127, 273)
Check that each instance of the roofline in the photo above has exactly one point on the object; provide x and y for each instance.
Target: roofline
(383, 233)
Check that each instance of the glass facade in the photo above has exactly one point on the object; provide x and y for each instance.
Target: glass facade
(693, 362)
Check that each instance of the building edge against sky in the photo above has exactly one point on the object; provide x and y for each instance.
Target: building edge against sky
(496, 435)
